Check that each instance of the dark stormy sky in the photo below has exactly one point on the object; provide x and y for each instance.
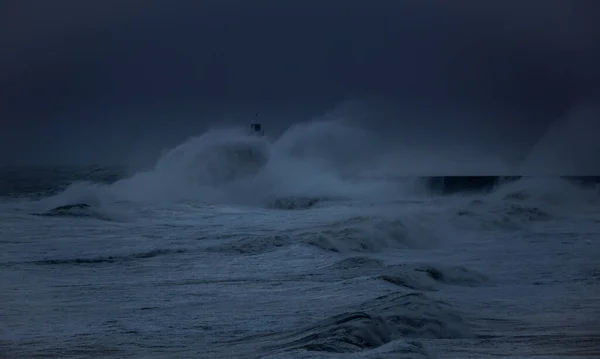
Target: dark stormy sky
(112, 81)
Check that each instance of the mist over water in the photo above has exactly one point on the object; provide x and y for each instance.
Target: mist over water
(323, 159)
(341, 155)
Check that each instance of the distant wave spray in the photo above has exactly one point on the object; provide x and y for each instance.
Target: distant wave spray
(318, 160)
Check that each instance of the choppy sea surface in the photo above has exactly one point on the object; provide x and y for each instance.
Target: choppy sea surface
(229, 249)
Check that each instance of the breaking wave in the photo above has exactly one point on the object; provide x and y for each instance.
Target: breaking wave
(310, 165)
(517, 204)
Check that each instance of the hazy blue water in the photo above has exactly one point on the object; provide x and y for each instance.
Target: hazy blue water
(375, 269)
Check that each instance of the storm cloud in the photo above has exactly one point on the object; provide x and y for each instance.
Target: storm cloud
(99, 80)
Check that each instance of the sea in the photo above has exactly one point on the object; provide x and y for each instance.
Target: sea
(311, 245)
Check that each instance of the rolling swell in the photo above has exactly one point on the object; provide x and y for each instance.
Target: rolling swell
(375, 323)
(68, 210)
(415, 276)
(79, 210)
(361, 234)
(294, 203)
(109, 259)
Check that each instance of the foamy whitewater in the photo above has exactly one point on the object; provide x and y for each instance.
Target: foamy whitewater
(311, 245)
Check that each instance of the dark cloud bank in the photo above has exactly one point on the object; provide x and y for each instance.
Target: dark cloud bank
(110, 81)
